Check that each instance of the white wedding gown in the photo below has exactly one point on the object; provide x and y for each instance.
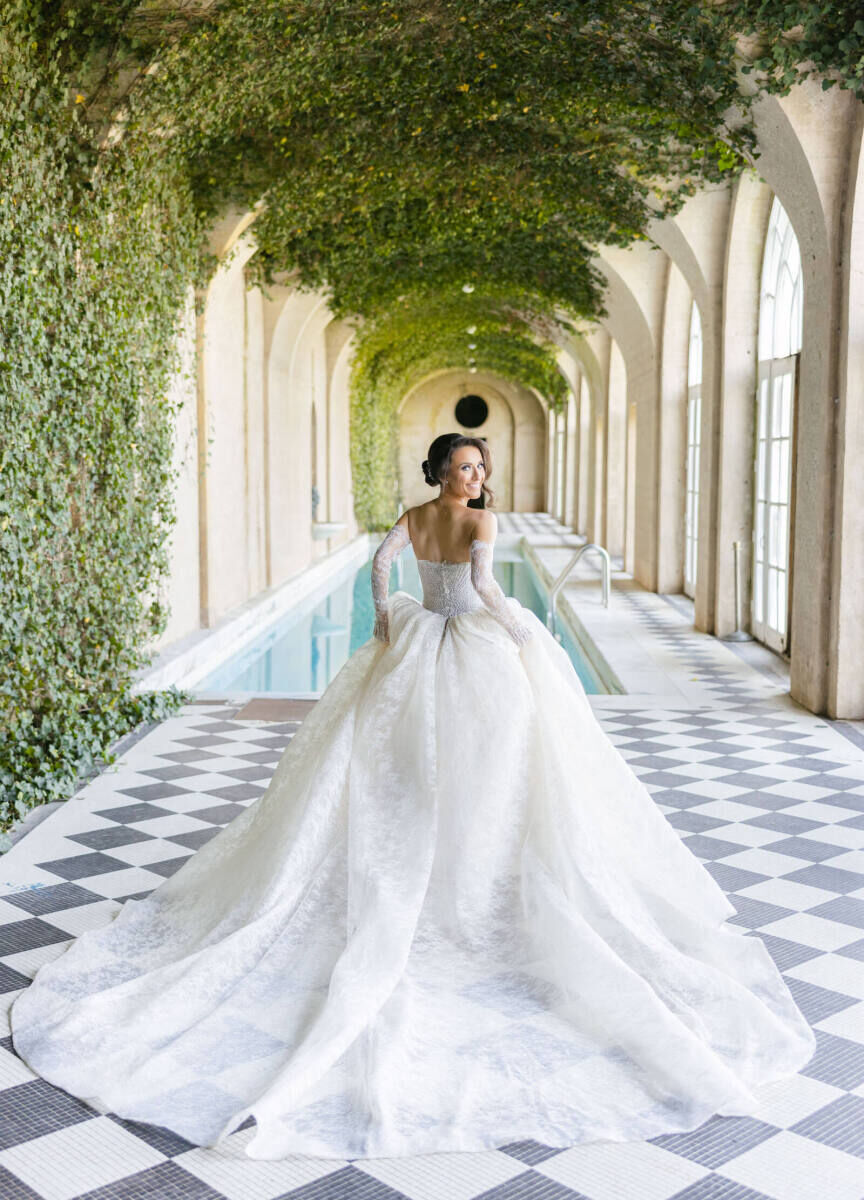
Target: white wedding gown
(455, 919)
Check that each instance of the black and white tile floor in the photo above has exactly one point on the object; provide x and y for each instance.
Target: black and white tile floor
(770, 797)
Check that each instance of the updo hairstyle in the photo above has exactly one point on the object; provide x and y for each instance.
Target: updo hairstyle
(436, 466)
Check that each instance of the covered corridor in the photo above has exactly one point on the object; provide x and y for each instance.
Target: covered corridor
(718, 403)
(685, 391)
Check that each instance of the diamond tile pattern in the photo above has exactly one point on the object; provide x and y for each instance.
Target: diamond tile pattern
(784, 837)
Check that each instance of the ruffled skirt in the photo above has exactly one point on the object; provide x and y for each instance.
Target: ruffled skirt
(455, 919)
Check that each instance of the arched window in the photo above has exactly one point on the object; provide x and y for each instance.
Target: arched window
(694, 424)
(780, 306)
(780, 313)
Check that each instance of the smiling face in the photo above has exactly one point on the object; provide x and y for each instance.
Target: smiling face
(466, 474)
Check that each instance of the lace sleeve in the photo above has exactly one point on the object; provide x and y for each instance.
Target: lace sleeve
(394, 542)
(492, 594)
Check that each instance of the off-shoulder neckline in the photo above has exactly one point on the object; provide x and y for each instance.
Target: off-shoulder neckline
(454, 562)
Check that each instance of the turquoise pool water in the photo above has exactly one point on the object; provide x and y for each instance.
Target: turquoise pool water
(303, 652)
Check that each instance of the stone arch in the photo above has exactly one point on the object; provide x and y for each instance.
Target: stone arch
(671, 431)
(581, 365)
(230, 437)
(745, 240)
(296, 374)
(845, 650)
(694, 240)
(516, 432)
(340, 348)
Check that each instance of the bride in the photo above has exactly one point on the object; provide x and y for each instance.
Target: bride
(454, 920)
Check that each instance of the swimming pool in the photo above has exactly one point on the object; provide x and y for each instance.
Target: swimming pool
(302, 652)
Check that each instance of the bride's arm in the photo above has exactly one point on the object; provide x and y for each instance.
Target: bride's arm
(396, 539)
(488, 588)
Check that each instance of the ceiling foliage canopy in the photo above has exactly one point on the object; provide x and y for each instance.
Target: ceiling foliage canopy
(397, 150)
(421, 162)
(402, 149)
(431, 165)
(405, 147)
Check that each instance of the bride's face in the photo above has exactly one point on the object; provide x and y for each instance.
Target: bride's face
(466, 474)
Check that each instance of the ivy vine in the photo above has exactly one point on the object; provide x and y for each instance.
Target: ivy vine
(797, 39)
(96, 255)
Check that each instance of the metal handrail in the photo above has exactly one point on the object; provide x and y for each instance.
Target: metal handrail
(562, 579)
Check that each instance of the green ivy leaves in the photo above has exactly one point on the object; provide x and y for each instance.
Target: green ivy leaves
(798, 39)
(97, 251)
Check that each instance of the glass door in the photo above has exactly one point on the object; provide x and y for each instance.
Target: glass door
(771, 526)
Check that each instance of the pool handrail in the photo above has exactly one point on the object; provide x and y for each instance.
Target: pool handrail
(606, 572)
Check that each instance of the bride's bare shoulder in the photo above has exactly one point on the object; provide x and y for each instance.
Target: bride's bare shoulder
(418, 515)
(484, 525)
(408, 516)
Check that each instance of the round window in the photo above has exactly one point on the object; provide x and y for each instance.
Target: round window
(471, 411)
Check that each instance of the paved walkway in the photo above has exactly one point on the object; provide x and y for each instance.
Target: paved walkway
(770, 797)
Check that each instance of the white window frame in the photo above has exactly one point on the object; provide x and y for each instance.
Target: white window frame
(772, 501)
(780, 332)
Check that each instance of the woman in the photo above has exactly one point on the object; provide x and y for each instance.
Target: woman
(455, 918)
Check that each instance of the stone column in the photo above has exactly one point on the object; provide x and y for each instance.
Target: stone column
(745, 243)
(846, 617)
(571, 491)
(615, 448)
(585, 457)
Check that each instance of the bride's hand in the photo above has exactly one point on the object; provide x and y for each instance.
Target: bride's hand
(382, 630)
(522, 633)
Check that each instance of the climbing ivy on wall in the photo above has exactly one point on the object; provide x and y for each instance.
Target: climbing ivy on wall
(97, 252)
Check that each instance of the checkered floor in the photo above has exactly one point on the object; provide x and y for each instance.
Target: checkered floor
(770, 797)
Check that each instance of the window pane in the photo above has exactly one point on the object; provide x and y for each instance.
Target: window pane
(781, 290)
(776, 476)
(782, 483)
(771, 614)
(782, 578)
(776, 539)
(760, 531)
(763, 409)
(694, 358)
(761, 456)
(781, 300)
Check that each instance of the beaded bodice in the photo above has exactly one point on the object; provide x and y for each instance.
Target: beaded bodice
(447, 587)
